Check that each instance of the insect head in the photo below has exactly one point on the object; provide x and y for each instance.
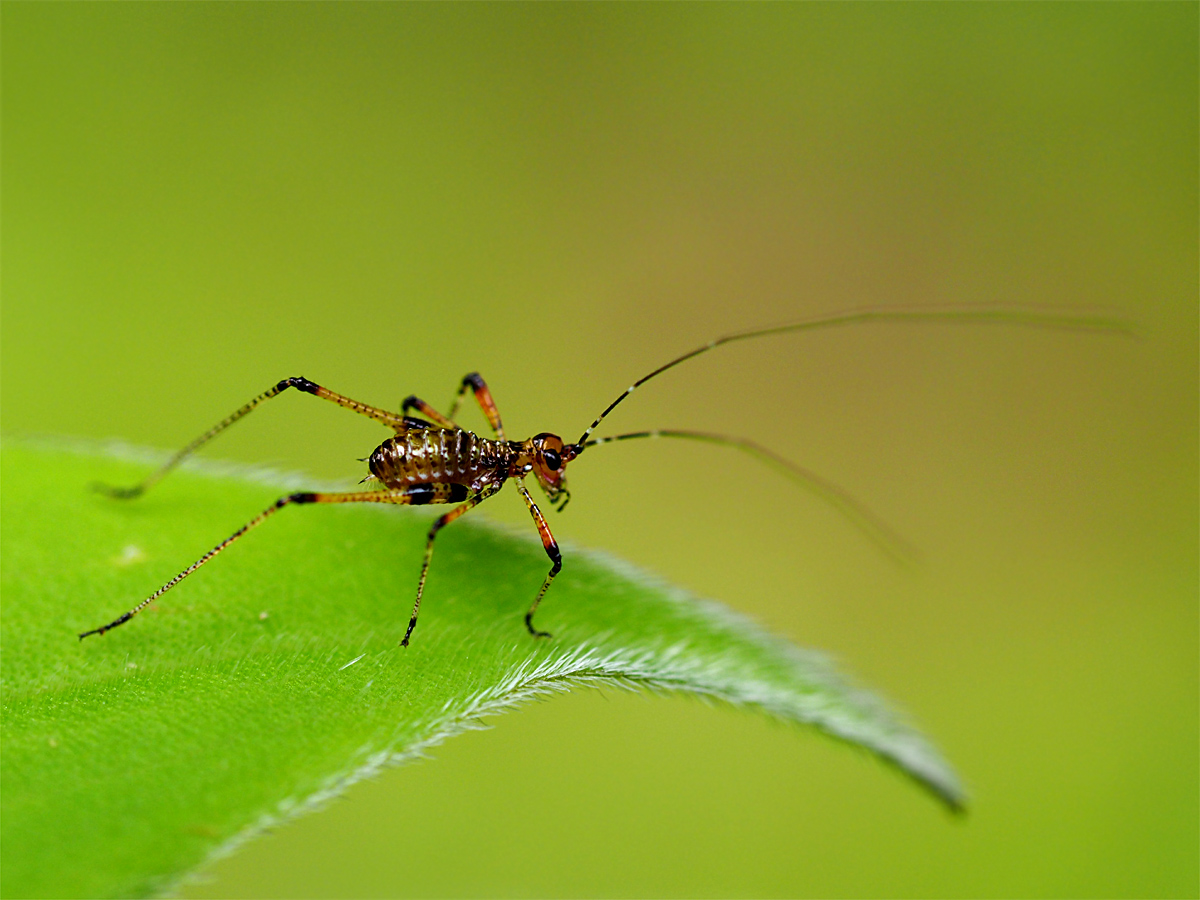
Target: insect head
(549, 457)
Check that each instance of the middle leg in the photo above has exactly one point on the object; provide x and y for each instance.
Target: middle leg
(412, 401)
(437, 526)
(483, 396)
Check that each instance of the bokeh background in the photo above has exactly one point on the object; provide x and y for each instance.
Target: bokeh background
(200, 199)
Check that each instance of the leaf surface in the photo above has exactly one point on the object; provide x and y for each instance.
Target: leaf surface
(271, 679)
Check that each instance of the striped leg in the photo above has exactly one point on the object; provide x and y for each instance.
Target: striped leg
(415, 495)
(551, 546)
(483, 396)
(412, 401)
(433, 532)
(392, 420)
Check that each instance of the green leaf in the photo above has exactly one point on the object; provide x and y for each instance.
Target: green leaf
(272, 679)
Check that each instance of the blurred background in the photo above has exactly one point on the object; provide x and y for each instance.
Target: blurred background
(200, 199)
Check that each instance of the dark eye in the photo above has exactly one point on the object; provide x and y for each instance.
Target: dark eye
(552, 459)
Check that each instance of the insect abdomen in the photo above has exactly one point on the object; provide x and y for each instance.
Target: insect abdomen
(436, 456)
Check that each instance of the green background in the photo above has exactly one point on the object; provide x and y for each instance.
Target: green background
(201, 199)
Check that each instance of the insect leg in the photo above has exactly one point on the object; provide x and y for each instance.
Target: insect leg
(412, 401)
(433, 532)
(551, 546)
(483, 397)
(393, 420)
(408, 496)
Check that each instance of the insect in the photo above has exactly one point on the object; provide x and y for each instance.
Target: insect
(430, 459)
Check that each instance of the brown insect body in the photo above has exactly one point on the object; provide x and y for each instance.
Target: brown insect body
(432, 455)
(442, 456)
(433, 460)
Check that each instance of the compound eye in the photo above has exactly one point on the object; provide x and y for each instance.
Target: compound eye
(551, 459)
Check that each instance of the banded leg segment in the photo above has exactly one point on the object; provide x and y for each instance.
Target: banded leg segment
(483, 396)
(412, 401)
(415, 495)
(437, 526)
(392, 420)
(552, 551)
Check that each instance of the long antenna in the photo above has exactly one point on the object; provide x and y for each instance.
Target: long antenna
(1029, 317)
(839, 498)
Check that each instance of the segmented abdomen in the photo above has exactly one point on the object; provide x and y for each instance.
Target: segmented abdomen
(438, 456)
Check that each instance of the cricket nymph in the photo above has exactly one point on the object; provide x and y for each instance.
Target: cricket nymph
(433, 460)
(431, 455)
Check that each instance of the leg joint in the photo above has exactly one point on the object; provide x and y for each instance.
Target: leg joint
(420, 494)
(300, 383)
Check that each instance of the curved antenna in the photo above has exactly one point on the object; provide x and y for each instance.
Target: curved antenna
(1035, 318)
(855, 511)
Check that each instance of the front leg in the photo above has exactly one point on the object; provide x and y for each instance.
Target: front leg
(552, 551)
